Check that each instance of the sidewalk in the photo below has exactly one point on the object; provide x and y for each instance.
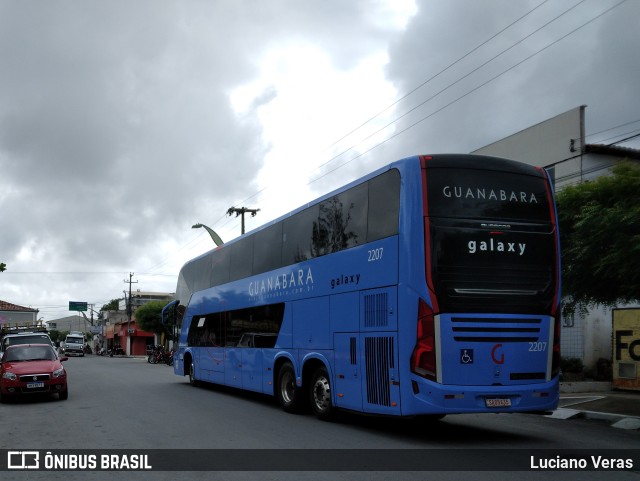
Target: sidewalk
(597, 400)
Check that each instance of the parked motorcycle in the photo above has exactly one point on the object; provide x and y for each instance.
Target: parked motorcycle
(160, 355)
(153, 354)
(169, 357)
(118, 351)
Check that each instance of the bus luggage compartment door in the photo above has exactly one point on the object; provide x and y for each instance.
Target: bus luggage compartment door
(348, 382)
(495, 350)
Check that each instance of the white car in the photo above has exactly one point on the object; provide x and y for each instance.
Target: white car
(25, 338)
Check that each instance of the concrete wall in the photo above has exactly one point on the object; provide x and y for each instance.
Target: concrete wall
(18, 318)
(587, 337)
(546, 143)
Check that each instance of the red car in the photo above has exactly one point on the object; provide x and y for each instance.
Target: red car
(32, 368)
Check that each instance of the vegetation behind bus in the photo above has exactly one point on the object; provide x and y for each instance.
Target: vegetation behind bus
(600, 239)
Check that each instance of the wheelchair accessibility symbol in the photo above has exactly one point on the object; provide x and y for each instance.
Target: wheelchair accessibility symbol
(466, 356)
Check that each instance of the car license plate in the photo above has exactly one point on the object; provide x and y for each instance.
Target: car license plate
(34, 385)
(498, 402)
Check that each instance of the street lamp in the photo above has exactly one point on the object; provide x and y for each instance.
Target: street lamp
(215, 237)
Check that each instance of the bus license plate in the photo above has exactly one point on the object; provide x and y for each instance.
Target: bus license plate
(498, 402)
(34, 385)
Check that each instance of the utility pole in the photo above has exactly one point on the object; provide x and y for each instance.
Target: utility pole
(242, 211)
(129, 310)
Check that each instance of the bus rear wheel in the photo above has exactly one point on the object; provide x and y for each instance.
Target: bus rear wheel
(192, 376)
(320, 395)
(287, 391)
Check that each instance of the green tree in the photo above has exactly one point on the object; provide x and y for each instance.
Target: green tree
(57, 336)
(149, 317)
(3, 267)
(600, 240)
(112, 305)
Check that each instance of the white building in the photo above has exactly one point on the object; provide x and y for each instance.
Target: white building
(139, 298)
(13, 316)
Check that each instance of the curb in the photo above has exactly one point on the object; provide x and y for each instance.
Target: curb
(585, 386)
(619, 421)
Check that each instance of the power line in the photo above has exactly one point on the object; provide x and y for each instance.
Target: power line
(418, 87)
(169, 259)
(437, 75)
(65, 272)
(624, 140)
(619, 135)
(468, 74)
(335, 157)
(613, 128)
(396, 134)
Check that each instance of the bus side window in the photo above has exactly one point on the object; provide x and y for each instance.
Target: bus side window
(266, 340)
(384, 205)
(193, 336)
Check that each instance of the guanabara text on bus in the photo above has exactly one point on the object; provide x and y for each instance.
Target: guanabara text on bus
(428, 287)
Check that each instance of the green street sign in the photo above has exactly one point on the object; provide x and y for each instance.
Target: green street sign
(77, 306)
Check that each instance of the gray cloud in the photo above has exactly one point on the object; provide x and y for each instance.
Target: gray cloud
(596, 66)
(117, 133)
(116, 130)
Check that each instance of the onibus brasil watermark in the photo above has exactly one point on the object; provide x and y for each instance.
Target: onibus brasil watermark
(35, 460)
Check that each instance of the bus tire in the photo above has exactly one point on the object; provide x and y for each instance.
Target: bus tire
(192, 375)
(287, 392)
(320, 395)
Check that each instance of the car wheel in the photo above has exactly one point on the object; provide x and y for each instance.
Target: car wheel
(63, 395)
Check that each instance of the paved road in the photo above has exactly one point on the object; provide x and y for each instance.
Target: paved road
(614, 402)
(126, 403)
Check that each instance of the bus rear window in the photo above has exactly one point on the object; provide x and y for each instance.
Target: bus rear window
(486, 194)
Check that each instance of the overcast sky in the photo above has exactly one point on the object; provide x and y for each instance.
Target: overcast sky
(123, 123)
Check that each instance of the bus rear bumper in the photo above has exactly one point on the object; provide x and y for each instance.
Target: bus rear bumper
(430, 398)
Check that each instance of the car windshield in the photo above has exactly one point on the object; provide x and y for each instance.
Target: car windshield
(30, 353)
(74, 340)
(11, 341)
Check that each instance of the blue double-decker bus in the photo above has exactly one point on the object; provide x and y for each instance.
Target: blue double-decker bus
(428, 287)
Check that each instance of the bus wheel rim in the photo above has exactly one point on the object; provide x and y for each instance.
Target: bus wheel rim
(287, 387)
(322, 393)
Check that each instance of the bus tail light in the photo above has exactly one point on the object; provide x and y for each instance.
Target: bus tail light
(423, 359)
(555, 359)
